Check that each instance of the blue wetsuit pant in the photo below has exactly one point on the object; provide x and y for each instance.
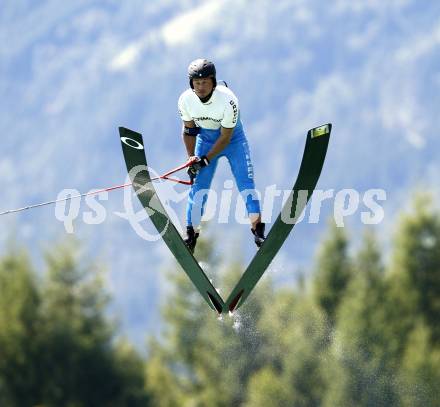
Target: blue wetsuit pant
(238, 155)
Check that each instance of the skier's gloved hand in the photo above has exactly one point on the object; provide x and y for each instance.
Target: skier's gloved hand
(196, 164)
(191, 173)
(200, 162)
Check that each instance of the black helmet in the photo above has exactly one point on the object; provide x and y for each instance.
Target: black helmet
(201, 68)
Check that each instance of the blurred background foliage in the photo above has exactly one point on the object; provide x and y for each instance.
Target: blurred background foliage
(363, 330)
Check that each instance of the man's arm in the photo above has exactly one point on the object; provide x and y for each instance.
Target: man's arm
(189, 141)
(221, 143)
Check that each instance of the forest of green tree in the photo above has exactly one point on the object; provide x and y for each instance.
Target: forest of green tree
(362, 328)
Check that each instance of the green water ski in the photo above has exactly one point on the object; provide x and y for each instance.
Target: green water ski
(309, 172)
(136, 162)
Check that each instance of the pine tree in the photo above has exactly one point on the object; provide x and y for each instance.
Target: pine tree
(420, 371)
(332, 272)
(76, 332)
(19, 331)
(57, 347)
(362, 374)
(415, 277)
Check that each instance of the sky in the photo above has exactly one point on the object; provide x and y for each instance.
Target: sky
(72, 72)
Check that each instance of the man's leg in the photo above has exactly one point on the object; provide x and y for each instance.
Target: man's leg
(198, 196)
(239, 158)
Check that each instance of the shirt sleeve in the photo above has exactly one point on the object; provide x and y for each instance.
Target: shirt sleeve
(185, 116)
(230, 116)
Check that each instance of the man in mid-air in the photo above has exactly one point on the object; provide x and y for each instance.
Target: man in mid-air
(212, 129)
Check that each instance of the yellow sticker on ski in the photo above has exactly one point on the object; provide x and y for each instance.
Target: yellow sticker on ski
(320, 131)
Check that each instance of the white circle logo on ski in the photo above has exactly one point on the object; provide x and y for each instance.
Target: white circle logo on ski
(136, 144)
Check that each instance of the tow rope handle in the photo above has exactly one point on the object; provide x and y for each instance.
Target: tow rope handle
(179, 181)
